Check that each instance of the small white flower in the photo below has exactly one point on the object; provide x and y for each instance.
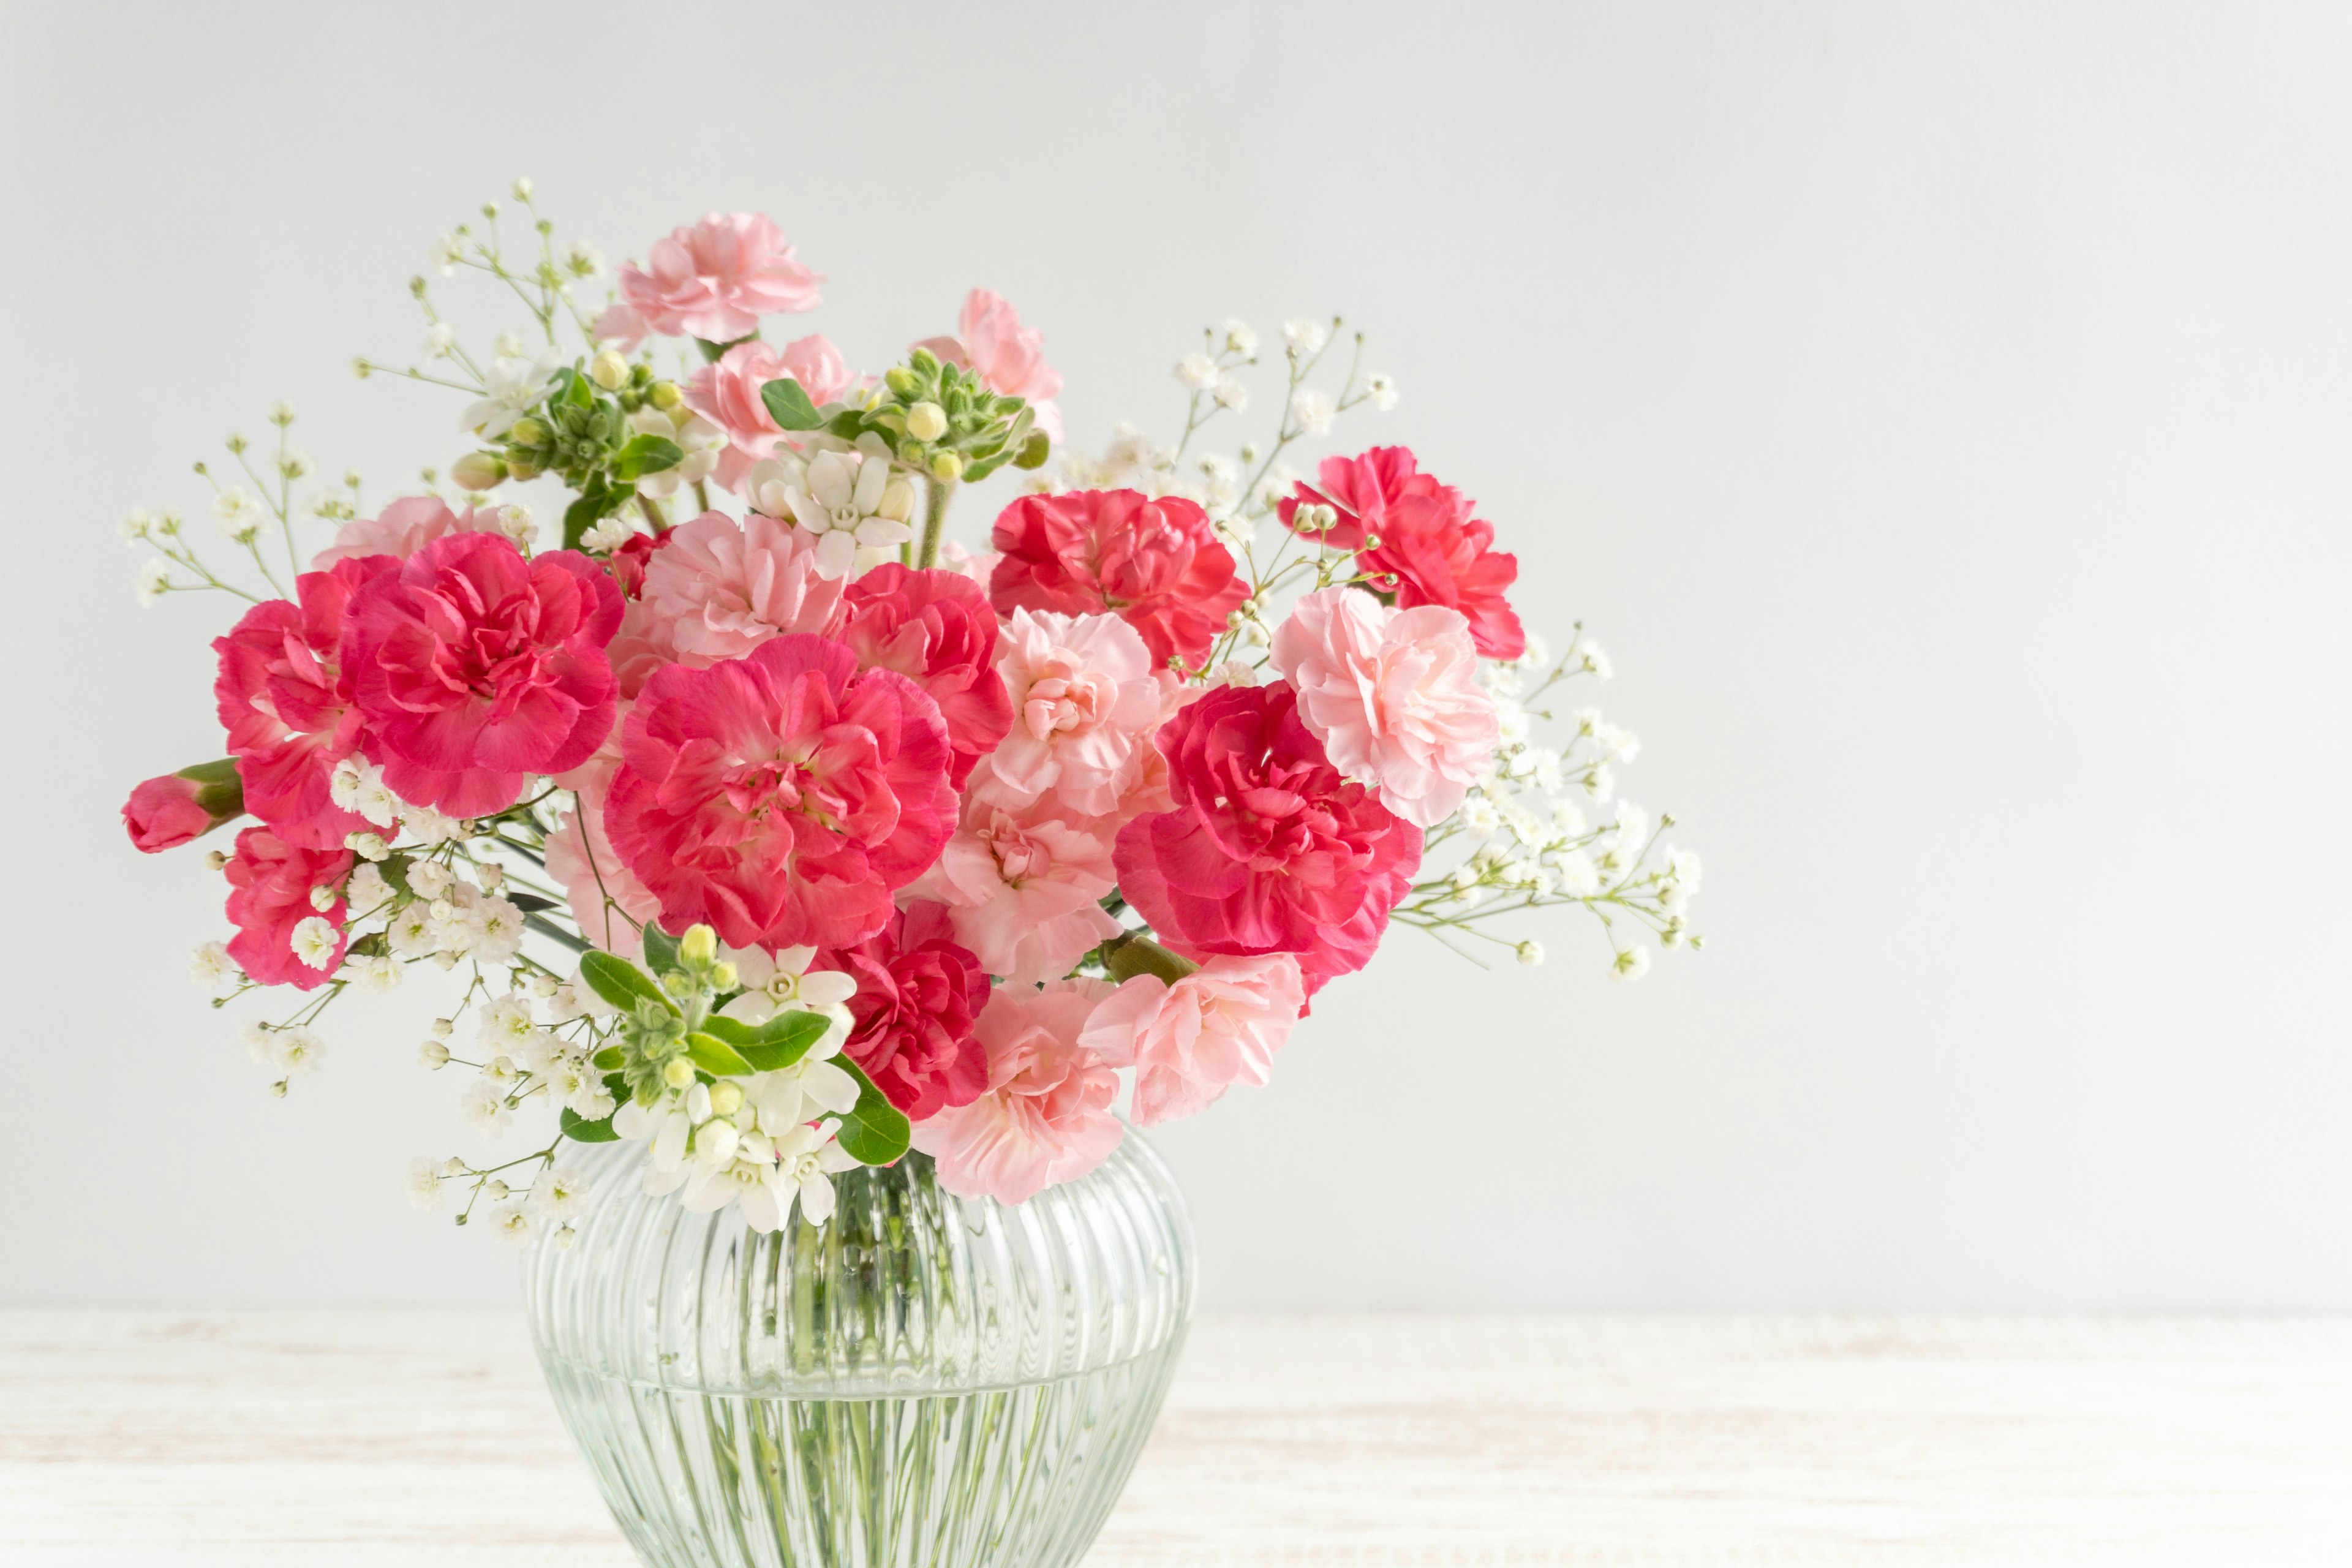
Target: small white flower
(1600, 782)
(423, 1183)
(427, 825)
(411, 930)
(367, 895)
(505, 1024)
(512, 387)
(1579, 877)
(428, 879)
(1382, 392)
(1544, 768)
(1240, 338)
(1586, 655)
(1538, 655)
(1481, 819)
(485, 1108)
(1632, 830)
(1531, 952)
(1231, 394)
(1198, 372)
(134, 526)
(499, 927)
(209, 965)
(296, 1050)
(514, 520)
(377, 972)
(1631, 965)
(512, 1222)
(446, 252)
(315, 942)
(433, 1056)
(574, 1080)
(850, 498)
(239, 515)
(367, 845)
(1683, 866)
(154, 580)
(508, 345)
(582, 259)
(559, 1193)
(607, 536)
(1565, 818)
(261, 1044)
(1314, 410)
(1305, 337)
(439, 339)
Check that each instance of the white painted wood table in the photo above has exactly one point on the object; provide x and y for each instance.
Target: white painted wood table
(257, 1439)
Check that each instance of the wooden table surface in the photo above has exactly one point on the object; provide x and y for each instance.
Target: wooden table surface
(268, 1440)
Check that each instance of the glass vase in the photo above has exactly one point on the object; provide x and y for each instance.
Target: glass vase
(925, 1380)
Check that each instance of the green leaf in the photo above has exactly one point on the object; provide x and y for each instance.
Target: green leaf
(716, 1056)
(569, 386)
(713, 353)
(1033, 450)
(790, 406)
(529, 903)
(607, 1059)
(583, 1132)
(619, 982)
(874, 1130)
(644, 455)
(661, 949)
(778, 1043)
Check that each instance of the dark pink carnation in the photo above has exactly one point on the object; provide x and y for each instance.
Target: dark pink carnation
(713, 282)
(285, 698)
(1154, 563)
(1432, 551)
(477, 669)
(167, 812)
(1268, 849)
(937, 629)
(782, 797)
(270, 894)
(919, 991)
(629, 562)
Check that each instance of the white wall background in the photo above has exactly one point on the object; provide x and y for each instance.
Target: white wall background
(1940, 412)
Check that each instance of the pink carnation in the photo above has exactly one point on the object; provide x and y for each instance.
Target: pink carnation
(270, 894)
(1024, 889)
(919, 992)
(1394, 695)
(285, 698)
(475, 669)
(1189, 1042)
(1267, 849)
(714, 281)
(167, 812)
(1009, 359)
(402, 529)
(1083, 706)
(783, 797)
(1431, 550)
(1046, 1116)
(1156, 564)
(937, 629)
(719, 589)
(596, 882)
(728, 394)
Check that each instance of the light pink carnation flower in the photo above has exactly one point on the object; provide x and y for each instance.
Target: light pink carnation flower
(1083, 706)
(1024, 887)
(1189, 1042)
(1008, 358)
(1046, 1116)
(402, 529)
(728, 394)
(1394, 695)
(714, 281)
(717, 589)
(583, 860)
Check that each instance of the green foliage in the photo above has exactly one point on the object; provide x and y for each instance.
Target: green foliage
(874, 1130)
(621, 983)
(645, 454)
(778, 1043)
(788, 405)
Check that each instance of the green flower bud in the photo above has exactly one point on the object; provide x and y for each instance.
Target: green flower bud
(902, 381)
(927, 422)
(477, 471)
(947, 466)
(698, 945)
(665, 395)
(677, 1072)
(528, 432)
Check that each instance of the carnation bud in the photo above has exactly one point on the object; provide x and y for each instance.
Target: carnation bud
(665, 395)
(726, 1097)
(609, 370)
(947, 466)
(477, 471)
(433, 1056)
(698, 945)
(677, 1072)
(927, 422)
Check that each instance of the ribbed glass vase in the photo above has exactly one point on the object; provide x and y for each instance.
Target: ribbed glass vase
(924, 1381)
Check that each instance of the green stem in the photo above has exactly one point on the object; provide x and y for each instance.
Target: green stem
(937, 493)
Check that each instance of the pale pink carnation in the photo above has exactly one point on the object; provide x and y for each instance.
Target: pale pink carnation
(715, 280)
(402, 527)
(1046, 1116)
(717, 589)
(1008, 358)
(583, 860)
(1085, 704)
(1024, 887)
(974, 564)
(1189, 1042)
(1394, 695)
(728, 394)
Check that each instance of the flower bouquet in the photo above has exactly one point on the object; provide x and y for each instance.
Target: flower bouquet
(820, 885)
